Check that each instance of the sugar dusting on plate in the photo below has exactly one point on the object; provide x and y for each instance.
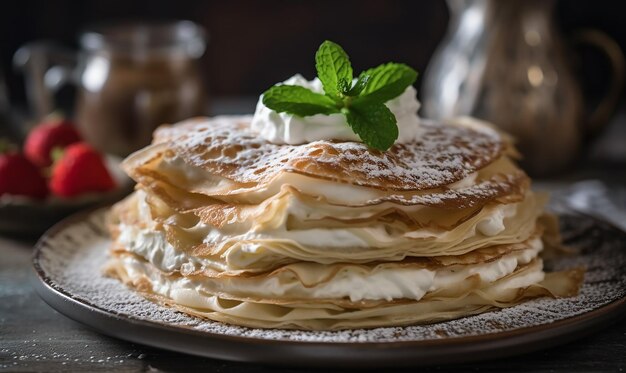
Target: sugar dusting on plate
(72, 261)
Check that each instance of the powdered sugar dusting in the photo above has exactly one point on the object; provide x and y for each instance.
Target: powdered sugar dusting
(226, 146)
(480, 193)
(73, 257)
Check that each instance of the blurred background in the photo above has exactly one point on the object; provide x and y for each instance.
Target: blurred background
(253, 44)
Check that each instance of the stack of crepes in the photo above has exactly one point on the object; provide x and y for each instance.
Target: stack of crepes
(330, 234)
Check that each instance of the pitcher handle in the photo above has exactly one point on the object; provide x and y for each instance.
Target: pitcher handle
(600, 116)
(46, 66)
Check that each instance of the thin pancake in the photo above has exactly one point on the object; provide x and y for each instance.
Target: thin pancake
(508, 291)
(241, 249)
(226, 147)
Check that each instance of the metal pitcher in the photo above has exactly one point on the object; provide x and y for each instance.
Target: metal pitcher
(505, 62)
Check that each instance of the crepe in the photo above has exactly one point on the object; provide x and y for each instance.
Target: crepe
(329, 234)
(528, 281)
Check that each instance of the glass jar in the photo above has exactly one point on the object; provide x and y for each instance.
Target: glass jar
(130, 78)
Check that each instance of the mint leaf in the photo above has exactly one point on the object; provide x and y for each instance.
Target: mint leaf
(358, 86)
(332, 64)
(298, 101)
(374, 123)
(386, 82)
(362, 103)
(343, 86)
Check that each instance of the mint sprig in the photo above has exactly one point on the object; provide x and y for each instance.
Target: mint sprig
(333, 68)
(386, 82)
(362, 103)
(298, 100)
(374, 123)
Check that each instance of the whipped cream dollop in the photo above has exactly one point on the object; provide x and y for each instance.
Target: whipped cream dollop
(284, 128)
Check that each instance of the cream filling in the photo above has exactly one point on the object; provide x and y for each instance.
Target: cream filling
(355, 283)
(241, 247)
(152, 246)
(195, 179)
(379, 235)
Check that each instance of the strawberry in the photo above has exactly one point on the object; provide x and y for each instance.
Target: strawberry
(19, 176)
(46, 137)
(80, 169)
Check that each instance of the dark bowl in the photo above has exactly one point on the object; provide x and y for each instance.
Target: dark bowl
(21, 216)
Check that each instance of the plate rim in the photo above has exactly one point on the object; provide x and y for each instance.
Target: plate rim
(446, 350)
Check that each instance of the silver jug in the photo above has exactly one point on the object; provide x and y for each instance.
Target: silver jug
(505, 62)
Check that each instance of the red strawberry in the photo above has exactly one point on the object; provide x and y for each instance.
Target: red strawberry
(47, 136)
(19, 176)
(80, 169)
